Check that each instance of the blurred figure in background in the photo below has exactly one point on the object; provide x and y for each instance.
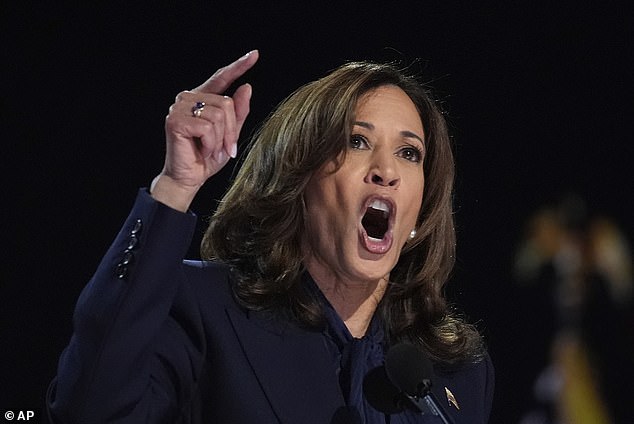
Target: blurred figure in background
(576, 271)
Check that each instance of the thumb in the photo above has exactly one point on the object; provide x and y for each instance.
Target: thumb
(242, 104)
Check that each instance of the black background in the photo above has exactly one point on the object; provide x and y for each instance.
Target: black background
(539, 99)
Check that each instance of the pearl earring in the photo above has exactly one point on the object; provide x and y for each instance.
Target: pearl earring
(412, 234)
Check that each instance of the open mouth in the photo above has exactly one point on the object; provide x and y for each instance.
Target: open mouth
(376, 219)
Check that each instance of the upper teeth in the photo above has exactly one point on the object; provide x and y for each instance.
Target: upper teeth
(380, 205)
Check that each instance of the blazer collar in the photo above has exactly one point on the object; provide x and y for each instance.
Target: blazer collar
(293, 366)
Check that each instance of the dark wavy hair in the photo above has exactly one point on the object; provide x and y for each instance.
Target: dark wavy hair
(257, 227)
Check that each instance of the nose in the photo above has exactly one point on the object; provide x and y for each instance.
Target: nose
(383, 170)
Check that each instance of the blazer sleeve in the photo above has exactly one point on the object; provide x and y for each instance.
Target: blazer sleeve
(489, 387)
(134, 356)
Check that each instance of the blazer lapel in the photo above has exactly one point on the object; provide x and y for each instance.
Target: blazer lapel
(293, 366)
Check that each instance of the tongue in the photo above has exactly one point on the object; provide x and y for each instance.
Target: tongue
(375, 223)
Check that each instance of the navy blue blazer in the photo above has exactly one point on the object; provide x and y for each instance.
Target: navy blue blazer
(159, 340)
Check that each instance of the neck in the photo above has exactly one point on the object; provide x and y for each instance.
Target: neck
(354, 301)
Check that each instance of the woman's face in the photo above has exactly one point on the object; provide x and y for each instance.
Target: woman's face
(358, 217)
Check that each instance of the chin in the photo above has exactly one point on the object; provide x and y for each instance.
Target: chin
(371, 270)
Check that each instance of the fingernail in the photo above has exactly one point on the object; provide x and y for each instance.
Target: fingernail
(247, 55)
(221, 156)
(234, 151)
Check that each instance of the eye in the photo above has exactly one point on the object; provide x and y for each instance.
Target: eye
(412, 154)
(358, 142)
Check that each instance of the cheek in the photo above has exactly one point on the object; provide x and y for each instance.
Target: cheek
(412, 213)
(412, 218)
(415, 205)
(322, 201)
(336, 190)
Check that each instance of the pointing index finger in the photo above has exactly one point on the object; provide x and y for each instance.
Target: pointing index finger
(224, 77)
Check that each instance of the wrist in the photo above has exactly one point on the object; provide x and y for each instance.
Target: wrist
(167, 191)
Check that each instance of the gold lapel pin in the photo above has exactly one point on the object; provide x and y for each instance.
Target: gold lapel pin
(451, 398)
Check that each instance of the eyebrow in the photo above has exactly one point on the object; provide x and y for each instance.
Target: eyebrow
(404, 133)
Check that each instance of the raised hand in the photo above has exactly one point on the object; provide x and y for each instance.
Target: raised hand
(202, 130)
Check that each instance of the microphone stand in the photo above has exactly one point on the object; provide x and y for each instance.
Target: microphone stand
(426, 400)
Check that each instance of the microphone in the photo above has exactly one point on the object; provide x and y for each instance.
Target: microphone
(381, 394)
(410, 371)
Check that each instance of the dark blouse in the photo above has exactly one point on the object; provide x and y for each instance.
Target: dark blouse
(354, 358)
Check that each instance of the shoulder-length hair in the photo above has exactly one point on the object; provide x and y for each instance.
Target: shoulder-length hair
(258, 225)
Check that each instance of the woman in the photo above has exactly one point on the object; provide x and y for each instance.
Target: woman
(332, 244)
